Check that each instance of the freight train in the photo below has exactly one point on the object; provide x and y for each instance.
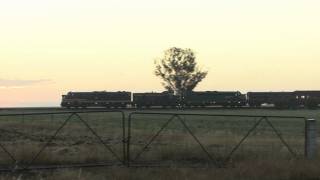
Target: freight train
(124, 99)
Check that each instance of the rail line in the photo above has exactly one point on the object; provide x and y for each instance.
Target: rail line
(128, 108)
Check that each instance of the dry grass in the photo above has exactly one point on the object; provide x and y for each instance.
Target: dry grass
(262, 156)
(253, 170)
(57, 154)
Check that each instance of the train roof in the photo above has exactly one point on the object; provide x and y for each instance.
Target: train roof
(308, 91)
(216, 91)
(92, 92)
(271, 92)
(152, 93)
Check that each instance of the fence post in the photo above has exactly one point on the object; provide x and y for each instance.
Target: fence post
(310, 139)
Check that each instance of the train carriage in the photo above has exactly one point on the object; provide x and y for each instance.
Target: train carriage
(215, 98)
(309, 99)
(278, 99)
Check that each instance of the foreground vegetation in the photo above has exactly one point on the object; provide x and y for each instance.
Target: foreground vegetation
(261, 156)
(253, 170)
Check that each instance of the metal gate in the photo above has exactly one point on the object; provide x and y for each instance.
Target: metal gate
(139, 146)
(62, 140)
(105, 138)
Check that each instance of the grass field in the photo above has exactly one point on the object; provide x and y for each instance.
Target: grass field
(260, 156)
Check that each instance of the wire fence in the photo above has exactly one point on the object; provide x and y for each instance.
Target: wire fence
(207, 139)
(61, 139)
(51, 140)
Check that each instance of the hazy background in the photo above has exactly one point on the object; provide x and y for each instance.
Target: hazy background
(48, 48)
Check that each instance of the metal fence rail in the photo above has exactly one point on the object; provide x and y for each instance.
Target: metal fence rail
(16, 165)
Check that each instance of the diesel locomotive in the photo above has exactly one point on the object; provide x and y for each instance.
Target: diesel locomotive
(123, 99)
(96, 99)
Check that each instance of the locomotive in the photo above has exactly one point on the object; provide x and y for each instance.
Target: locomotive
(123, 99)
(152, 99)
(96, 99)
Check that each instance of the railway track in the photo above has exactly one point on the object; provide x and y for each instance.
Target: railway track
(128, 108)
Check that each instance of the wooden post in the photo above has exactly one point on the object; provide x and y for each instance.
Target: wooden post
(310, 139)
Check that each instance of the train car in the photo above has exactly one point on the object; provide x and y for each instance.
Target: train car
(278, 99)
(154, 99)
(215, 98)
(309, 99)
(96, 99)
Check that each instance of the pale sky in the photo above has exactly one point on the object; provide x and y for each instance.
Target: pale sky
(50, 47)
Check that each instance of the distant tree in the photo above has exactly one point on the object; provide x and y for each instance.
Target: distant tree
(179, 71)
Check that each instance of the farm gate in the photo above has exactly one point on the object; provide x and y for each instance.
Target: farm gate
(51, 140)
(61, 140)
(166, 139)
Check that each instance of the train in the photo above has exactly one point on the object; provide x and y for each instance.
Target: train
(125, 99)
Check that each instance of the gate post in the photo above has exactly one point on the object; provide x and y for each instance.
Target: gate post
(310, 149)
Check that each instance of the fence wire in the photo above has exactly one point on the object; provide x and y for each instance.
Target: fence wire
(206, 139)
(39, 140)
(51, 140)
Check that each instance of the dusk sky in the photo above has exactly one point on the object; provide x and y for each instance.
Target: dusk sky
(48, 48)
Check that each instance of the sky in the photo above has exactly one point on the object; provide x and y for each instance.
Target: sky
(48, 48)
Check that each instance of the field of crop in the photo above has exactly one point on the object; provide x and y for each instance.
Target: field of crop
(182, 147)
